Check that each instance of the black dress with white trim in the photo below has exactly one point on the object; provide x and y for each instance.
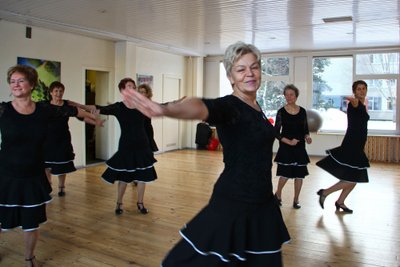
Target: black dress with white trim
(348, 162)
(242, 223)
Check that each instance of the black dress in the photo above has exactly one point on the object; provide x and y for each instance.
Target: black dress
(292, 160)
(348, 162)
(134, 159)
(59, 153)
(24, 188)
(242, 224)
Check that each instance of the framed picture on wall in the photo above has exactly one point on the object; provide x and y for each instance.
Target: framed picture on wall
(142, 78)
(48, 71)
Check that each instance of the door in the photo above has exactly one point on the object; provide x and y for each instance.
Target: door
(170, 127)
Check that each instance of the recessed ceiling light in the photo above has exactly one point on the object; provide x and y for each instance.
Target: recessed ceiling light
(338, 19)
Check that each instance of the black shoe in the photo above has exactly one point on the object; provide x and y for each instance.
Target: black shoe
(32, 261)
(141, 208)
(296, 205)
(278, 200)
(343, 207)
(118, 209)
(321, 197)
(61, 192)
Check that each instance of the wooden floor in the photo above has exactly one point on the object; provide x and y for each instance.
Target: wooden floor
(82, 229)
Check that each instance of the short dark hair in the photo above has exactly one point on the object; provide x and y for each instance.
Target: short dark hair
(356, 83)
(56, 84)
(30, 74)
(291, 87)
(123, 83)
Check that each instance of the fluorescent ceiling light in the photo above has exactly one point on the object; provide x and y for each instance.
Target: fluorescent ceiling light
(338, 19)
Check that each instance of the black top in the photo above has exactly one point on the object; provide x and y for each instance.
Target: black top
(58, 147)
(134, 148)
(247, 138)
(291, 127)
(22, 177)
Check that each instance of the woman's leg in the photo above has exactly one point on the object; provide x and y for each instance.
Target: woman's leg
(61, 184)
(298, 183)
(48, 174)
(281, 184)
(347, 188)
(30, 239)
(121, 191)
(140, 191)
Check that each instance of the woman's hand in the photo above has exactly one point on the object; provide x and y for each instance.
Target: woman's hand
(308, 139)
(134, 99)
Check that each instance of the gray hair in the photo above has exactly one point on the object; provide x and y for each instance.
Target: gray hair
(235, 51)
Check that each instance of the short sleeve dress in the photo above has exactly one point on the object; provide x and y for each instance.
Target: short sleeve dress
(348, 162)
(242, 223)
(24, 188)
(134, 160)
(59, 153)
(292, 160)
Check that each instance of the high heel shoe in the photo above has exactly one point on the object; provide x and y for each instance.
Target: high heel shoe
(296, 205)
(32, 261)
(321, 197)
(61, 192)
(278, 200)
(118, 209)
(141, 208)
(343, 207)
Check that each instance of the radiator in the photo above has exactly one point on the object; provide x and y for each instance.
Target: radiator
(383, 148)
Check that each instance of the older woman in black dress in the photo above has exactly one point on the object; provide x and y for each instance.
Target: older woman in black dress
(24, 188)
(292, 132)
(242, 224)
(348, 162)
(134, 160)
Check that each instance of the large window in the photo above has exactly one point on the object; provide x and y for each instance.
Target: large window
(276, 74)
(332, 80)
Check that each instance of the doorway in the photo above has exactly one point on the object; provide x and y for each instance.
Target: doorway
(96, 92)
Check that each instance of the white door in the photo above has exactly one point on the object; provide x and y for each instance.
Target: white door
(170, 127)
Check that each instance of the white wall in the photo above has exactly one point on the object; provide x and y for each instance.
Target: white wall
(75, 53)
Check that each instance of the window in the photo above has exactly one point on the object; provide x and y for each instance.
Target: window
(276, 74)
(332, 81)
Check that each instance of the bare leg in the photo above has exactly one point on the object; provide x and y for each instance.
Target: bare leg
(281, 184)
(121, 191)
(48, 174)
(61, 184)
(30, 239)
(347, 188)
(140, 191)
(298, 183)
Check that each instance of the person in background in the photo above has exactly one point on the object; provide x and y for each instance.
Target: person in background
(146, 90)
(134, 159)
(203, 135)
(348, 162)
(242, 224)
(292, 132)
(24, 187)
(59, 153)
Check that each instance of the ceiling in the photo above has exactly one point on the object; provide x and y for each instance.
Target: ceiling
(207, 27)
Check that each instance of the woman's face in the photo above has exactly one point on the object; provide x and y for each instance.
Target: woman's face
(19, 85)
(360, 92)
(143, 91)
(57, 93)
(246, 74)
(130, 85)
(290, 96)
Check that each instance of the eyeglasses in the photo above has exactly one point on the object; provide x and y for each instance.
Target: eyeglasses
(22, 80)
